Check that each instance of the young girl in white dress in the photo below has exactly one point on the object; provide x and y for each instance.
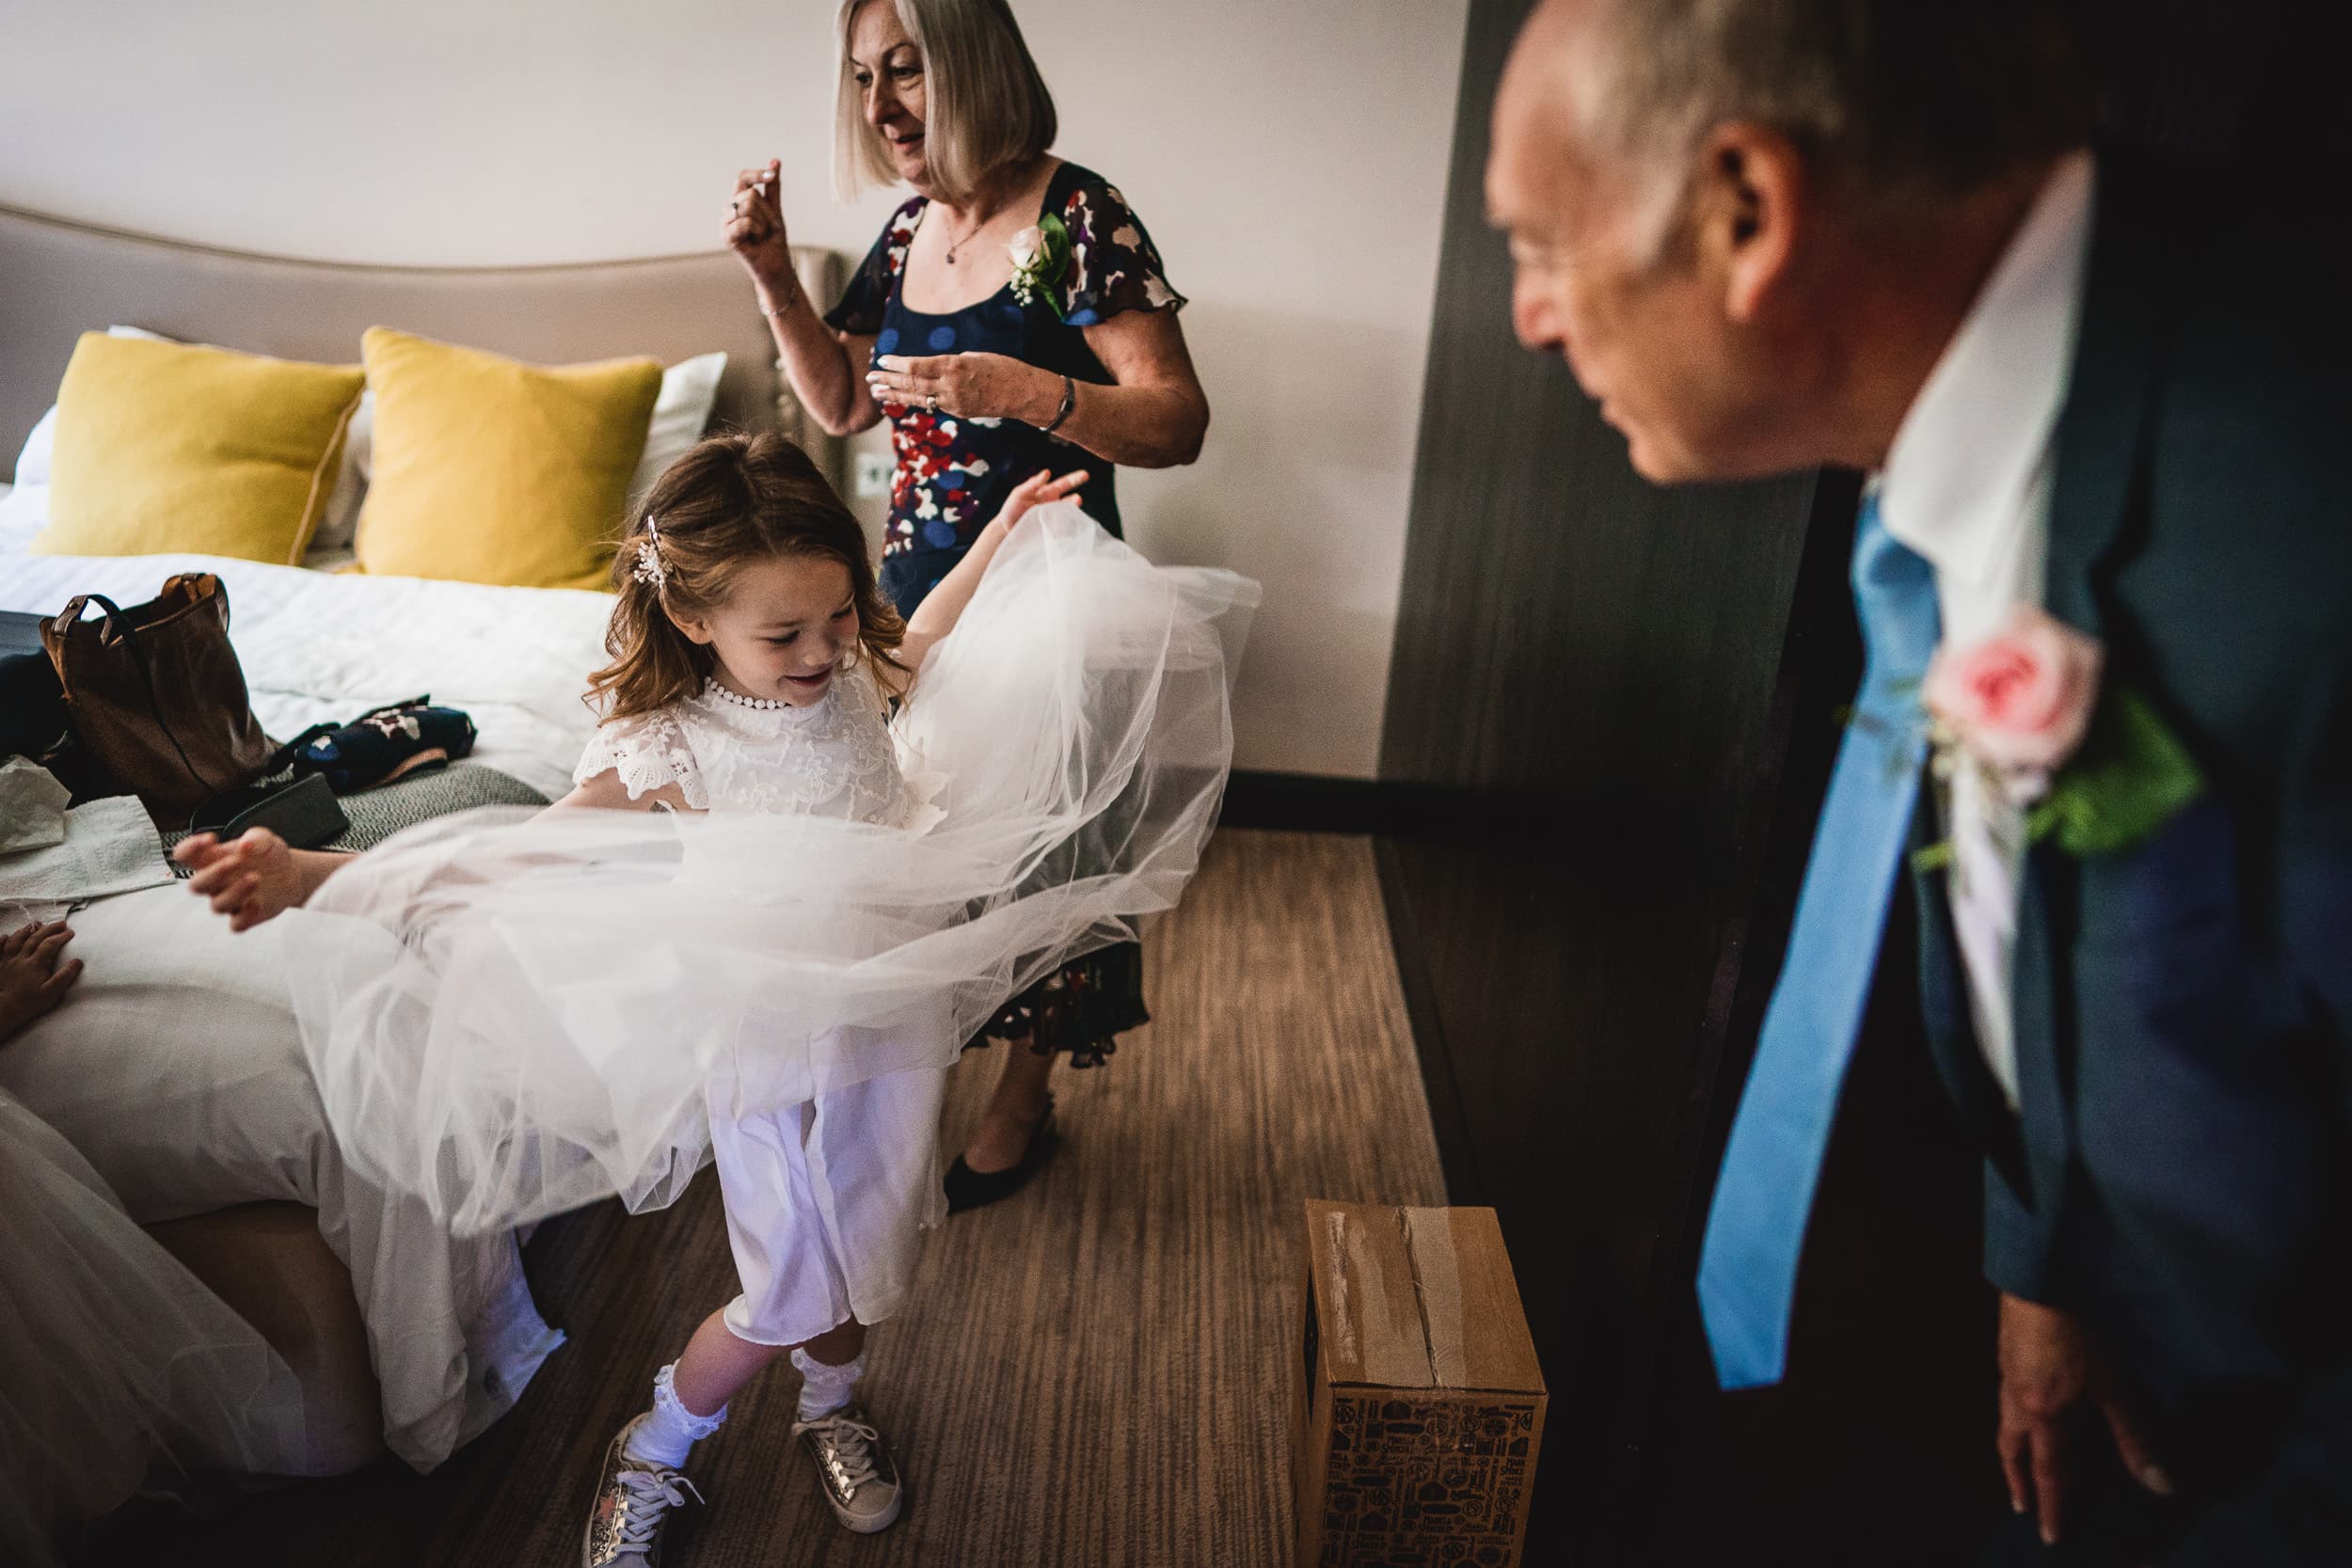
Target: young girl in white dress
(817, 946)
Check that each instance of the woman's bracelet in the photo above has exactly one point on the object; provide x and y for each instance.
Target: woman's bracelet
(1069, 401)
(792, 297)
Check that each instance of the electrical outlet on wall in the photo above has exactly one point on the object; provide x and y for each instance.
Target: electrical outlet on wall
(872, 474)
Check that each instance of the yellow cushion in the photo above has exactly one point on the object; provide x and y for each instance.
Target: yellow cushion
(488, 469)
(164, 447)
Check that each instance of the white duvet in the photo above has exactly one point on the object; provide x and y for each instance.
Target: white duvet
(176, 1066)
(320, 645)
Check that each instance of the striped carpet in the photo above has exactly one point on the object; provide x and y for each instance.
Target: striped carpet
(1097, 1373)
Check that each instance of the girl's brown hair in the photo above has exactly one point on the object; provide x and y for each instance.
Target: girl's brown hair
(729, 502)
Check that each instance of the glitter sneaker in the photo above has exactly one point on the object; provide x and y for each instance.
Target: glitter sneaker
(860, 1479)
(633, 1502)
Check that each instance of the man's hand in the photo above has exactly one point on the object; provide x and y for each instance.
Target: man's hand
(2048, 1368)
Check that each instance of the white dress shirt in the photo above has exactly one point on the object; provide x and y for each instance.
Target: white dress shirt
(1968, 485)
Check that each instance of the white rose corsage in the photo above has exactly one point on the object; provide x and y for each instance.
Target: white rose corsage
(1040, 258)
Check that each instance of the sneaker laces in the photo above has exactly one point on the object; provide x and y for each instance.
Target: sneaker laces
(849, 1447)
(652, 1494)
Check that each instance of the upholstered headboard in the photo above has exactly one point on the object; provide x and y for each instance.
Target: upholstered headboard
(59, 280)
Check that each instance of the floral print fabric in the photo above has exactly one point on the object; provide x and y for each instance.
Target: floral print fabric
(950, 473)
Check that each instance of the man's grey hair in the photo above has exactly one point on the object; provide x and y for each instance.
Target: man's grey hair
(1921, 97)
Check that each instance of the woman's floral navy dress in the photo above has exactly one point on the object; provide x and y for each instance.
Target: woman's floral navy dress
(953, 474)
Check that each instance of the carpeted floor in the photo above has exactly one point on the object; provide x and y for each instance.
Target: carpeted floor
(1097, 1373)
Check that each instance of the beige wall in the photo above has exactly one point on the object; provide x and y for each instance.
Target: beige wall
(1289, 157)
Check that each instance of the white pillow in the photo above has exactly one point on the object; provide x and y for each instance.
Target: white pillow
(24, 512)
(32, 464)
(680, 414)
(338, 523)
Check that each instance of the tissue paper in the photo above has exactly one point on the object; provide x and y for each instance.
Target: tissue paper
(32, 806)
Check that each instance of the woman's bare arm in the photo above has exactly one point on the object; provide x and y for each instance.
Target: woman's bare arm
(1156, 414)
(823, 365)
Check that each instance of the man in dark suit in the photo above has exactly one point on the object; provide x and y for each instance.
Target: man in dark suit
(1771, 234)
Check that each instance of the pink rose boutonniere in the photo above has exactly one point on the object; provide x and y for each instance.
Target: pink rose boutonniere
(2025, 709)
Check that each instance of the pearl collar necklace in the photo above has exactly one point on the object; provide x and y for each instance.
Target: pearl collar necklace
(758, 704)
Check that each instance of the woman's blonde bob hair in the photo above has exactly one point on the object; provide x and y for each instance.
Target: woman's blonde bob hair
(985, 105)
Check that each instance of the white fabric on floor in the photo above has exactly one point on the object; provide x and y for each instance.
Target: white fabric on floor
(176, 1069)
(119, 1370)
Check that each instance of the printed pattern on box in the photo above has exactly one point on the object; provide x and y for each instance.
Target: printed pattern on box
(1416, 1483)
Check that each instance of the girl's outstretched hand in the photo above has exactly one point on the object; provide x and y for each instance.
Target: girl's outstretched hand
(1037, 490)
(250, 878)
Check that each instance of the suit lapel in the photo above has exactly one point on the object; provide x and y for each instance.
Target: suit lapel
(2102, 428)
(2102, 440)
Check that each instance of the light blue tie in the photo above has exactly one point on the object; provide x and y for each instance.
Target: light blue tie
(1754, 1233)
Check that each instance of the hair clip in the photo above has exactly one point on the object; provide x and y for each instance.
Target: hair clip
(648, 567)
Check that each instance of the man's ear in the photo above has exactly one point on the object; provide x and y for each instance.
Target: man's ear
(1751, 206)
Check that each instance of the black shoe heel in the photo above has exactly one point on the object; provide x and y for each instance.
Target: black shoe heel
(973, 1189)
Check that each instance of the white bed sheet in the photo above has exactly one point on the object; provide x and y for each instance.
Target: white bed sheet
(176, 1066)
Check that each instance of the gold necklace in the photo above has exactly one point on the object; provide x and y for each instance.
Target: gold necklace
(956, 242)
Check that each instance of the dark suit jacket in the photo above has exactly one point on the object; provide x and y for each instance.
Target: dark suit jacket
(2179, 1171)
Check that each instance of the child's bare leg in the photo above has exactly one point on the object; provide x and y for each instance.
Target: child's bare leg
(716, 1364)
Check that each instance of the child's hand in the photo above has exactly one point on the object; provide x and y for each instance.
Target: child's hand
(250, 878)
(32, 980)
(1037, 490)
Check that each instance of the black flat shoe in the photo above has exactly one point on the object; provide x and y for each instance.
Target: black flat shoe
(975, 1189)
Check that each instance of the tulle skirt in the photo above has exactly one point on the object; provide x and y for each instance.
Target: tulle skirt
(119, 1370)
(513, 1018)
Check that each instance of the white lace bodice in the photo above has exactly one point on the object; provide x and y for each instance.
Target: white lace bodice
(725, 752)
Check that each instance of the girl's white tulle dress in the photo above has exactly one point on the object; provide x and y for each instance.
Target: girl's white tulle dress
(119, 1370)
(513, 1018)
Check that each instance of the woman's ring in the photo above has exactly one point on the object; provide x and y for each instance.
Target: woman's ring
(930, 400)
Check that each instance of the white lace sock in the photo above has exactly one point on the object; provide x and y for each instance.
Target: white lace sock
(824, 1387)
(665, 1437)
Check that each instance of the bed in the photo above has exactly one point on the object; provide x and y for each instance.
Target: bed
(175, 1066)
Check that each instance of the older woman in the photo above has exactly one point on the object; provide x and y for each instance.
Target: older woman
(1012, 317)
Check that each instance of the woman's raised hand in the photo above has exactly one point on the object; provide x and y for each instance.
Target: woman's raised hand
(754, 227)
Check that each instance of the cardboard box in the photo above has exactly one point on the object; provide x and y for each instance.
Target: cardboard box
(1419, 1405)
